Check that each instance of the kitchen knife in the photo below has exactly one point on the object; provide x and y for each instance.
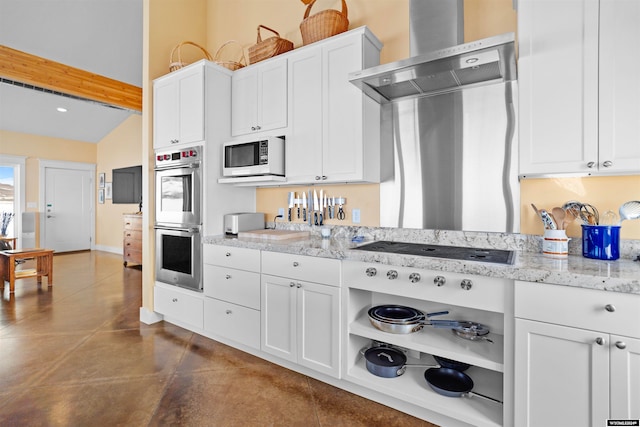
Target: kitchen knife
(297, 202)
(292, 196)
(315, 207)
(321, 209)
(310, 219)
(304, 206)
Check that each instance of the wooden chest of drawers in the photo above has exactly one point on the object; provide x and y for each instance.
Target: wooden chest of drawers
(132, 240)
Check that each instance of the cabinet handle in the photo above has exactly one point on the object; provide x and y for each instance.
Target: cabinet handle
(128, 244)
(371, 271)
(439, 280)
(590, 165)
(229, 312)
(253, 128)
(299, 285)
(466, 284)
(291, 285)
(175, 141)
(227, 254)
(317, 178)
(621, 345)
(295, 263)
(414, 277)
(600, 341)
(607, 164)
(610, 308)
(227, 277)
(324, 177)
(392, 274)
(258, 127)
(175, 300)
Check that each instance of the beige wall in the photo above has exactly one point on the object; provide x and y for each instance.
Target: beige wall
(121, 148)
(37, 148)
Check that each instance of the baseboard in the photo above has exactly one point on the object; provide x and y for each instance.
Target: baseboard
(115, 250)
(150, 317)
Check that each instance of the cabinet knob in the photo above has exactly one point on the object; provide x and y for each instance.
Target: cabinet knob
(229, 312)
(253, 128)
(299, 285)
(610, 308)
(414, 277)
(324, 177)
(128, 244)
(600, 341)
(317, 178)
(295, 263)
(466, 284)
(371, 271)
(439, 280)
(291, 284)
(175, 300)
(590, 165)
(227, 254)
(258, 127)
(392, 274)
(228, 276)
(607, 164)
(175, 141)
(621, 345)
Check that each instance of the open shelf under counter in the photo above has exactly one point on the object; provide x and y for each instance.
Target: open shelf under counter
(438, 341)
(413, 388)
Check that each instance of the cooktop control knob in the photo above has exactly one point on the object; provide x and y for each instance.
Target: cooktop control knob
(439, 280)
(466, 284)
(392, 274)
(371, 271)
(414, 277)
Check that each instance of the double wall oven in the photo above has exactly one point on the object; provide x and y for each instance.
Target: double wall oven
(178, 224)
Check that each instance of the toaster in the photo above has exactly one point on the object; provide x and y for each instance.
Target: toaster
(243, 221)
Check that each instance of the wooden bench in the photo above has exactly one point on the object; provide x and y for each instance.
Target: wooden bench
(9, 259)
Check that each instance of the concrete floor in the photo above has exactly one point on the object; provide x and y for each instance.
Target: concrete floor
(75, 354)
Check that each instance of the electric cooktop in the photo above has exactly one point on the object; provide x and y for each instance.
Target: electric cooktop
(497, 256)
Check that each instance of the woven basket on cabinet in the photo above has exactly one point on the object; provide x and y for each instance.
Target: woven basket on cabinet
(265, 49)
(323, 24)
(230, 64)
(176, 64)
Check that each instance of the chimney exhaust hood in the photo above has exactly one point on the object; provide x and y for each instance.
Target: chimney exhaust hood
(478, 63)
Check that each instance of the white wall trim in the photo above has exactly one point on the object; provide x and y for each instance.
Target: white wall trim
(58, 164)
(114, 250)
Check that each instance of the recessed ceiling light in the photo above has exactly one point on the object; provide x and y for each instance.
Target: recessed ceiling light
(61, 109)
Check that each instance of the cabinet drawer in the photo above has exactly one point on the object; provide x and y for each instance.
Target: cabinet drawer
(132, 244)
(232, 321)
(132, 256)
(179, 305)
(301, 267)
(236, 286)
(132, 234)
(227, 256)
(133, 222)
(579, 307)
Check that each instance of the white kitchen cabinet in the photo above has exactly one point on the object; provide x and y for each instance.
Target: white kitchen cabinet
(573, 365)
(334, 129)
(578, 101)
(300, 318)
(259, 97)
(178, 114)
(179, 305)
(231, 285)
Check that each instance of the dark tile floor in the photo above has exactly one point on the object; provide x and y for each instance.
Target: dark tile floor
(76, 355)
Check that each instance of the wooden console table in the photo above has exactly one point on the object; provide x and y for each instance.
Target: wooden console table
(44, 266)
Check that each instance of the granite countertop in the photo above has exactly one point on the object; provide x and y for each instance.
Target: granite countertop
(622, 275)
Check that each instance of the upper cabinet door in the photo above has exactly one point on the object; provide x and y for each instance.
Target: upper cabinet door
(558, 83)
(244, 95)
(619, 86)
(165, 113)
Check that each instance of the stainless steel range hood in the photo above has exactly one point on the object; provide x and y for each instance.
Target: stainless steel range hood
(478, 63)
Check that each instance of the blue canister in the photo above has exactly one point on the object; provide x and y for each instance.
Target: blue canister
(601, 241)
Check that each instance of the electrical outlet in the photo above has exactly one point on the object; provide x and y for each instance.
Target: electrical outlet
(281, 212)
(355, 215)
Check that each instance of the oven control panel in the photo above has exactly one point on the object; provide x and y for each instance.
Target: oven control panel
(178, 157)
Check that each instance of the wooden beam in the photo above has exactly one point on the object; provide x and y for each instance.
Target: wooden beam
(33, 70)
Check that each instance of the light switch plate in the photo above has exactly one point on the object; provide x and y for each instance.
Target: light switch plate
(355, 215)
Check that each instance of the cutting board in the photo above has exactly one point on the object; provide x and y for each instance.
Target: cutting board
(269, 234)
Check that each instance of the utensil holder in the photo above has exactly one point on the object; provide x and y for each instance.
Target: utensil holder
(601, 242)
(555, 244)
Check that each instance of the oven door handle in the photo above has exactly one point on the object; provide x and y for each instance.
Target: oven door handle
(183, 229)
(187, 166)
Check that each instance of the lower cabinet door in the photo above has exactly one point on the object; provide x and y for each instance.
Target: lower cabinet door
(278, 314)
(179, 305)
(625, 378)
(561, 376)
(237, 323)
(318, 323)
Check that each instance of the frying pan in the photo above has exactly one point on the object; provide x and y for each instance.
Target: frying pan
(398, 319)
(389, 362)
(452, 383)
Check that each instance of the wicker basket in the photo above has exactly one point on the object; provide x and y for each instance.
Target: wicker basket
(230, 64)
(265, 49)
(179, 63)
(323, 24)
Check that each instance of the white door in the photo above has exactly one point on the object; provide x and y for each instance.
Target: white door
(625, 378)
(68, 209)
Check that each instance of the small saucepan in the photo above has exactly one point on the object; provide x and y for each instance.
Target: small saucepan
(452, 383)
(389, 362)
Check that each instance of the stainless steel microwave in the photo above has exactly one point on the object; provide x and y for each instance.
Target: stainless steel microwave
(251, 158)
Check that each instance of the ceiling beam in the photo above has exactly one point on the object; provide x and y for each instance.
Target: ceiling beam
(33, 70)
